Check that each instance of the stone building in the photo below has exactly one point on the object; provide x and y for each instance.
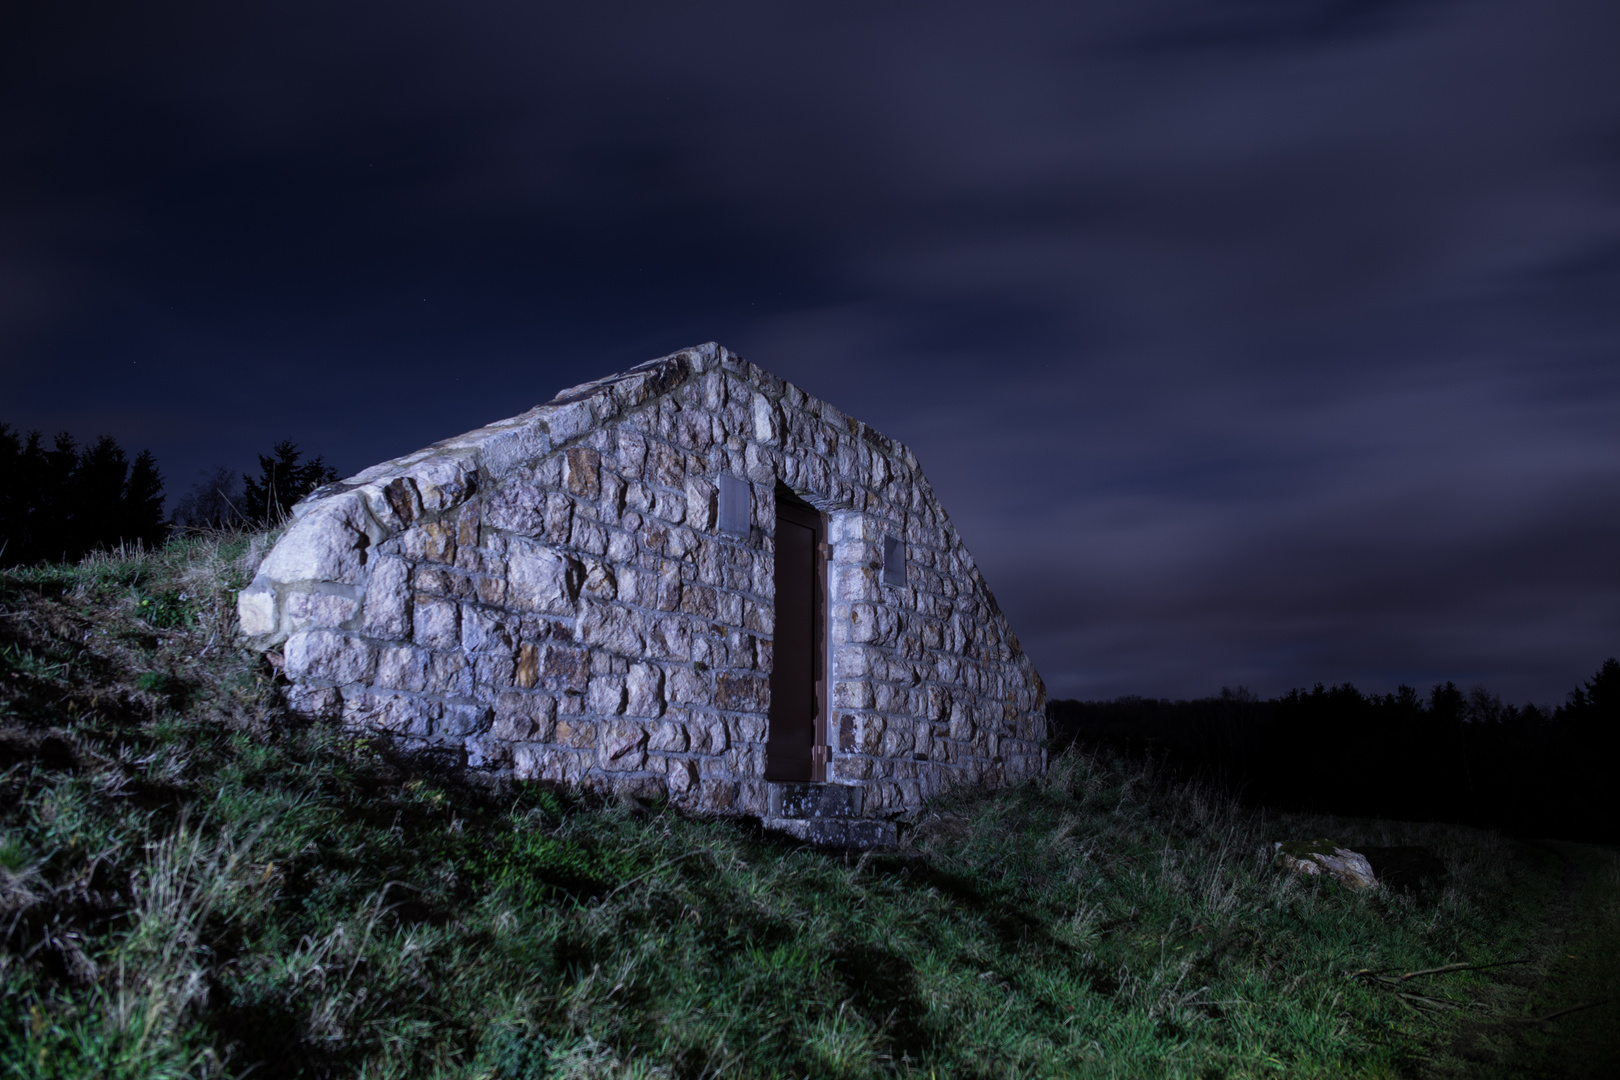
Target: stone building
(689, 580)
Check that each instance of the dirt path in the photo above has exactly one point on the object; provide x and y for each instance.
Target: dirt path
(1558, 1016)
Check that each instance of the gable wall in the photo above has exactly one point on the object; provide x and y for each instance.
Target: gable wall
(550, 597)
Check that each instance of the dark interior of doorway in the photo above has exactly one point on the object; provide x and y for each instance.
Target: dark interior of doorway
(795, 748)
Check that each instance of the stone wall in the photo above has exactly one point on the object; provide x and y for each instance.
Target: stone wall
(550, 596)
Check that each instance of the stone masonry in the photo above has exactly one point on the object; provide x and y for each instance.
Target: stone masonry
(552, 597)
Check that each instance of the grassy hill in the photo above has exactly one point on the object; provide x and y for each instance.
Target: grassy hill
(192, 885)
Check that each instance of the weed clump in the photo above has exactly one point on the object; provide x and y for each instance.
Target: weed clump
(193, 884)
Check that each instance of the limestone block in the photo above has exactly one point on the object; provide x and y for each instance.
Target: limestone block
(860, 733)
(583, 472)
(668, 594)
(569, 421)
(517, 508)
(698, 600)
(624, 746)
(639, 498)
(667, 737)
(600, 582)
(541, 579)
(872, 625)
(707, 733)
(718, 795)
(532, 762)
(256, 609)
(700, 503)
(611, 627)
(483, 630)
(494, 670)
(644, 687)
(741, 691)
(681, 776)
(315, 702)
(402, 668)
(387, 602)
(853, 694)
(923, 738)
(450, 673)
(458, 720)
(898, 742)
(605, 696)
(395, 714)
(526, 672)
(669, 507)
(767, 421)
(852, 768)
(437, 623)
(890, 698)
(559, 518)
(621, 546)
(670, 638)
(322, 654)
(327, 544)
(589, 537)
(576, 732)
(443, 480)
(666, 466)
(688, 687)
(564, 668)
(431, 541)
(524, 717)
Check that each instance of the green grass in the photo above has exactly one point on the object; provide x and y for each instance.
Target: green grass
(191, 885)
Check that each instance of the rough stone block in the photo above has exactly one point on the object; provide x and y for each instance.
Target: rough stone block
(612, 628)
(524, 717)
(256, 610)
(681, 776)
(541, 579)
(402, 668)
(395, 714)
(387, 601)
(644, 687)
(315, 702)
(437, 624)
(605, 695)
(322, 654)
(327, 544)
(737, 691)
(624, 747)
(667, 737)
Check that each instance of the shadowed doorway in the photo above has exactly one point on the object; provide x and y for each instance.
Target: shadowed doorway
(795, 748)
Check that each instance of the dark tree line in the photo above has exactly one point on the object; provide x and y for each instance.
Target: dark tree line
(61, 501)
(219, 501)
(1447, 756)
(66, 500)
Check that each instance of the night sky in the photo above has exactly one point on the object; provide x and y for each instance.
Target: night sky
(1260, 343)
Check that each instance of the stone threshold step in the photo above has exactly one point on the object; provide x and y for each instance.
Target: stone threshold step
(858, 833)
(812, 800)
(827, 815)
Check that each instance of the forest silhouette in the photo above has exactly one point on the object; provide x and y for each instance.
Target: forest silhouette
(1451, 756)
(62, 501)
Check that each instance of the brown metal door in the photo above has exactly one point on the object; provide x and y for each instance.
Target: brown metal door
(795, 748)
